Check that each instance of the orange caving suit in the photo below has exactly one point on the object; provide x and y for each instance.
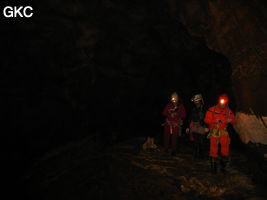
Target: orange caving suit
(216, 118)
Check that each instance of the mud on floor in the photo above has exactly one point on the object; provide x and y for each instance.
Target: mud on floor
(124, 171)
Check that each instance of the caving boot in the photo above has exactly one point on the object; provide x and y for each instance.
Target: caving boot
(224, 162)
(174, 153)
(201, 154)
(213, 165)
(166, 151)
(196, 152)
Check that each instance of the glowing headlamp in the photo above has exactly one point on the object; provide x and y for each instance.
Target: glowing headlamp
(222, 101)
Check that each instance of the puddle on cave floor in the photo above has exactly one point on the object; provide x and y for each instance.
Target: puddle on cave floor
(90, 170)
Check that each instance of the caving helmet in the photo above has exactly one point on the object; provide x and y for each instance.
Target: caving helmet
(174, 97)
(223, 99)
(197, 97)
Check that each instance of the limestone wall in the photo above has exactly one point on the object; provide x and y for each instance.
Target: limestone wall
(237, 29)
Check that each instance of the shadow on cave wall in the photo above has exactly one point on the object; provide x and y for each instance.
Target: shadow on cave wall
(70, 73)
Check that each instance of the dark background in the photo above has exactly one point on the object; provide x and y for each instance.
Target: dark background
(76, 69)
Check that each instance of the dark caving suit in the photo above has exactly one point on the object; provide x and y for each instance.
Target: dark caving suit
(174, 113)
(197, 129)
(218, 117)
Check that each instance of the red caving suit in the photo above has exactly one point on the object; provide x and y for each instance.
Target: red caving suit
(216, 118)
(172, 124)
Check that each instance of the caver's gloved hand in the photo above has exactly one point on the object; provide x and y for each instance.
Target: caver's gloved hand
(187, 130)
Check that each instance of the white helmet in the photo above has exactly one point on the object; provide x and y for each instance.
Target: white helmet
(197, 97)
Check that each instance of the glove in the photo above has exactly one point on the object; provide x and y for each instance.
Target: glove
(187, 130)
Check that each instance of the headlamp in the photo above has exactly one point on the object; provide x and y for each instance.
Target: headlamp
(174, 99)
(222, 101)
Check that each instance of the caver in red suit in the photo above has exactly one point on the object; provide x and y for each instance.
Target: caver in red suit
(218, 117)
(174, 113)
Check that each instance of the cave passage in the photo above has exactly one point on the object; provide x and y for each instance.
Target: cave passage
(84, 85)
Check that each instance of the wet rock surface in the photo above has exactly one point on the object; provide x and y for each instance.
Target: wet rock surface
(89, 170)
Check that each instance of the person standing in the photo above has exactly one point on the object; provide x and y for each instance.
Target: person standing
(218, 117)
(174, 112)
(198, 128)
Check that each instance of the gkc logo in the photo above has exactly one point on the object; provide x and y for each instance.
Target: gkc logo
(21, 11)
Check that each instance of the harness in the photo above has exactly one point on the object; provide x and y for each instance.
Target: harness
(178, 124)
(216, 132)
(198, 126)
(228, 114)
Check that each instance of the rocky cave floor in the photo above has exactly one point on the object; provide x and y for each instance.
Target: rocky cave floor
(88, 169)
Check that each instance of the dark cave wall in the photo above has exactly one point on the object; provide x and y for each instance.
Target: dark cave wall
(107, 67)
(238, 30)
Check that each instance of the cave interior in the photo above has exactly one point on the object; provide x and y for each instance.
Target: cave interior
(106, 69)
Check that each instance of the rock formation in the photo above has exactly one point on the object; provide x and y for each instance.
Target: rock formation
(238, 30)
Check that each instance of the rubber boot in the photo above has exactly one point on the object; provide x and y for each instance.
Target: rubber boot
(213, 165)
(196, 152)
(174, 152)
(166, 151)
(201, 155)
(224, 162)
(201, 150)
